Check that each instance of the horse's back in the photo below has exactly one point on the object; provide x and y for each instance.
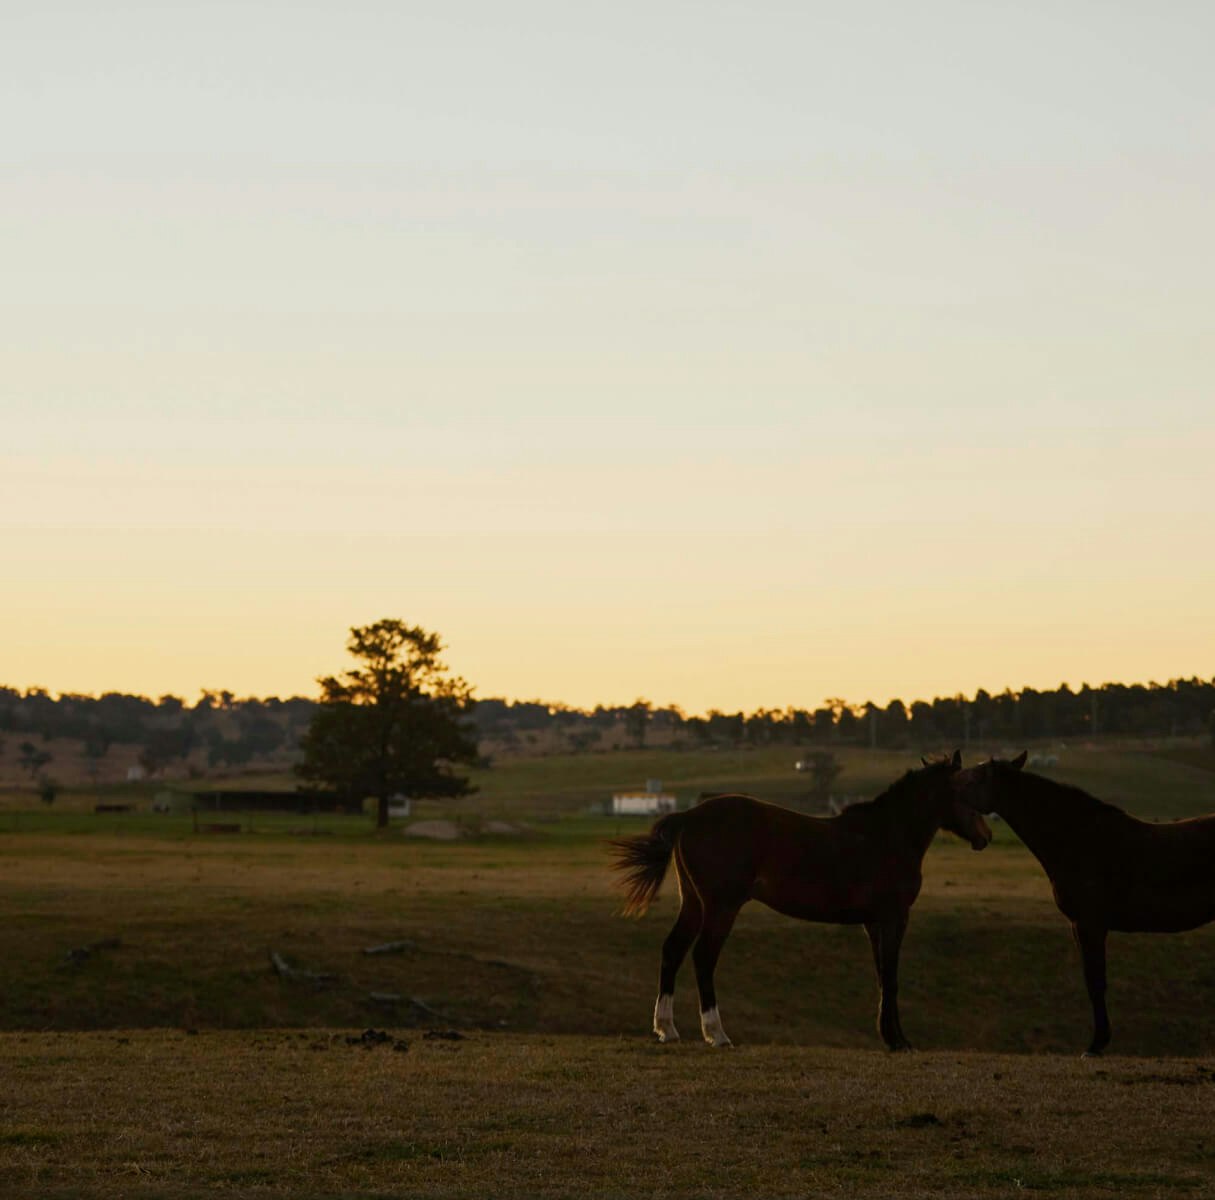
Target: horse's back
(742, 814)
(835, 869)
(1151, 876)
(725, 841)
(1169, 851)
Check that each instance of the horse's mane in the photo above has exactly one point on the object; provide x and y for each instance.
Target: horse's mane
(896, 793)
(1075, 800)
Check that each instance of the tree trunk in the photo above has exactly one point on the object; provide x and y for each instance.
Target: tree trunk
(381, 814)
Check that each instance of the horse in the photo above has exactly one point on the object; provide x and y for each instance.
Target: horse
(862, 867)
(1109, 870)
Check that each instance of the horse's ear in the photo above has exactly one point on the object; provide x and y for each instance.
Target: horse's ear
(925, 761)
(1018, 762)
(956, 761)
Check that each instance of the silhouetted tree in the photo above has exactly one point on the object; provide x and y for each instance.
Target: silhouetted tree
(801, 727)
(923, 727)
(762, 727)
(893, 724)
(726, 727)
(871, 722)
(259, 731)
(32, 759)
(151, 758)
(637, 720)
(397, 723)
(824, 770)
(122, 717)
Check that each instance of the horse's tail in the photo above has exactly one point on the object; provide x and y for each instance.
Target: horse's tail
(644, 858)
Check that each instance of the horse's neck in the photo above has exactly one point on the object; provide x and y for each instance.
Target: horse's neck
(1038, 813)
(916, 823)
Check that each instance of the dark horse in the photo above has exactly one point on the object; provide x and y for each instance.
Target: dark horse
(1110, 871)
(860, 868)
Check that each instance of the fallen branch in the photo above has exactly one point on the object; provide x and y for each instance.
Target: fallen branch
(391, 948)
(417, 1006)
(283, 969)
(426, 1010)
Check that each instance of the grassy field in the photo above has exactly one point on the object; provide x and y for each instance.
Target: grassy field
(538, 787)
(135, 928)
(1167, 780)
(522, 934)
(308, 1114)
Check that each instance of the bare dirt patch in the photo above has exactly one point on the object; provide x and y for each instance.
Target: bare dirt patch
(435, 831)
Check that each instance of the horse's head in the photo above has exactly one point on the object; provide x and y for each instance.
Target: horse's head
(959, 817)
(980, 787)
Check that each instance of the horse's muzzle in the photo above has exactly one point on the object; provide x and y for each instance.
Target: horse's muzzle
(982, 833)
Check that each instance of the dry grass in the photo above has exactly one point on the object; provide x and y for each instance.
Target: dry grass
(163, 1114)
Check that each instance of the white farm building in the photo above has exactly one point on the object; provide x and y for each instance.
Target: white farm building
(642, 804)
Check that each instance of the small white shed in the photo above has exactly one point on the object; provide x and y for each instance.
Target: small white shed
(642, 804)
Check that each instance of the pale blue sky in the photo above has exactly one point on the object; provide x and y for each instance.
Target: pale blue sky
(728, 354)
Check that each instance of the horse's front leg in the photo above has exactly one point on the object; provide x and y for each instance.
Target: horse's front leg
(1091, 941)
(886, 939)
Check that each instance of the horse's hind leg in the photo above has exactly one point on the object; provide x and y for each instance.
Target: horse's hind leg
(716, 928)
(1091, 941)
(674, 950)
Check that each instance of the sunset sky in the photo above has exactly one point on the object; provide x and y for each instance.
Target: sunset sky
(729, 355)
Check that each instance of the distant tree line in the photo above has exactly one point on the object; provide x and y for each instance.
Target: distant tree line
(1178, 708)
(229, 731)
(220, 727)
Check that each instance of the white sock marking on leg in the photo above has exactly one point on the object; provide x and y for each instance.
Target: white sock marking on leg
(664, 1018)
(710, 1026)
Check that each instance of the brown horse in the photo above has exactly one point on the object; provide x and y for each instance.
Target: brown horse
(860, 868)
(1110, 871)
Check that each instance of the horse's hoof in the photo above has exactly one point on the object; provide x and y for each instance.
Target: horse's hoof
(720, 1044)
(666, 1035)
(1091, 1054)
(902, 1048)
(710, 1028)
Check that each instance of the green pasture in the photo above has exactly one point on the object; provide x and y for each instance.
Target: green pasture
(541, 788)
(521, 932)
(1166, 781)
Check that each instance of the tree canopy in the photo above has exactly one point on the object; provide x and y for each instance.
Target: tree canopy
(396, 724)
(222, 731)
